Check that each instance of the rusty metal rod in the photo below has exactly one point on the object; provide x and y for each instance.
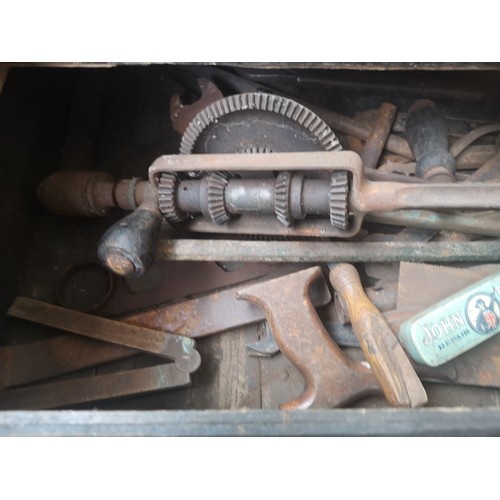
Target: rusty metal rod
(380, 131)
(480, 223)
(350, 127)
(336, 251)
(461, 144)
(180, 349)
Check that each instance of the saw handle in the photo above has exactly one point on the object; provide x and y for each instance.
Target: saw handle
(397, 377)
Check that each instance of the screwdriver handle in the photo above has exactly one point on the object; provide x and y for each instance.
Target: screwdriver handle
(397, 377)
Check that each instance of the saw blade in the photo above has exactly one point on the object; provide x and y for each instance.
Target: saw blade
(422, 285)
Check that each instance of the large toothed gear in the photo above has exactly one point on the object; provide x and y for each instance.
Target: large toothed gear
(339, 200)
(257, 122)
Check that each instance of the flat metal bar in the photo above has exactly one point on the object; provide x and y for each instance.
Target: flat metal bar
(97, 388)
(316, 160)
(335, 251)
(25, 363)
(175, 347)
(340, 422)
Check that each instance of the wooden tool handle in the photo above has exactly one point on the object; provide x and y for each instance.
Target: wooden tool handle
(397, 377)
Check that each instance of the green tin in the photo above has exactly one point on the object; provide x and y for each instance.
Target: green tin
(454, 325)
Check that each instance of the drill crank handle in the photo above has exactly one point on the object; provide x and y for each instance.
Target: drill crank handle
(427, 134)
(397, 377)
(129, 246)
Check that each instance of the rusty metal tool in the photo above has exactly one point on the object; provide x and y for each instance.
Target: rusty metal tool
(400, 384)
(427, 134)
(346, 199)
(65, 393)
(331, 379)
(175, 347)
(198, 317)
(484, 223)
(380, 130)
(88, 193)
(36, 361)
(181, 280)
(291, 204)
(265, 347)
(465, 141)
(181, 115)
(346, 125)
(216, 312)
(333, 251)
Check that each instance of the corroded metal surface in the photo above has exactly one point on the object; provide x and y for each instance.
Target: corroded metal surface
(217, 312)
(331, 379)
(88, 193)
(380, 130)
(461, 144)
(181, 115)
(180, 349)
(22, 364)
(97, 388)
(364, 196)
(333, 251)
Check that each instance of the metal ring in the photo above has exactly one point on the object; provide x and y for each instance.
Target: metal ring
(131, 192)
(68, 275)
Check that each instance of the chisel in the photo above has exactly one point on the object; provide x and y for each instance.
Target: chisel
(394, 371)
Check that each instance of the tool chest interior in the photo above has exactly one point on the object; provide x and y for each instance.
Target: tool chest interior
(120, 119)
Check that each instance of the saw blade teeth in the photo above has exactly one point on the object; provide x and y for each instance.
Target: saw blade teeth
(167, 188)
(339, 200)
(217, 182)
(282, 198)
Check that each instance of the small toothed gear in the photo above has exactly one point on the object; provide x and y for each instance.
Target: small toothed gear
(167, 187)
(339, 200)
(217, 182)
(282, 198)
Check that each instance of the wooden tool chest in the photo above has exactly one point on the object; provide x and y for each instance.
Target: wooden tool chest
(119, 119)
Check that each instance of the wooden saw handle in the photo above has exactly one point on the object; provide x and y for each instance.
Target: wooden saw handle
(397, 377)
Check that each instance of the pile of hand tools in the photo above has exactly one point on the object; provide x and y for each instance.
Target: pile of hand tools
(331, 231)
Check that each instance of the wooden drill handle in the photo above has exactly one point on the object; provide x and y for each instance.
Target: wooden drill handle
(397, 377)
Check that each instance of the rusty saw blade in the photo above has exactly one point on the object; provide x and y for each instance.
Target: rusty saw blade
(421, 285)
